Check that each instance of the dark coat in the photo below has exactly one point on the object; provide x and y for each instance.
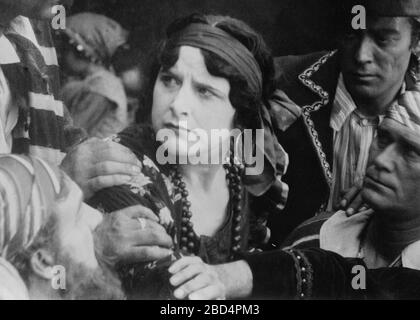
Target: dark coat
(310, 81)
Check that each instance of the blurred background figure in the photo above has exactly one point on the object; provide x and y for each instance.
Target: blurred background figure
(94, 95)
(130, 66)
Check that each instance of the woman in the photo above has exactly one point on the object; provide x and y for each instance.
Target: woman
(95, 98)
(212, 73)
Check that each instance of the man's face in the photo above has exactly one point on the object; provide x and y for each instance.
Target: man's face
(37, 9)
(375, 60)
(393, 178)
(85, 277)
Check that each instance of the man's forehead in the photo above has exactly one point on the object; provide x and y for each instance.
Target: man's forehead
(397, 24)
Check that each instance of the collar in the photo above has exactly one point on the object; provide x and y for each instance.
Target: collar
(410, 256)
(344, 104)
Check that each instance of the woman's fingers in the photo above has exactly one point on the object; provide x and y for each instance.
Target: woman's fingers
(186, 273)
(145, 254)
(199, 282)
(182, 263)
(212, 292)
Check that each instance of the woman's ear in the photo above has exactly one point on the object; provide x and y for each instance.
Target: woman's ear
(42, 264)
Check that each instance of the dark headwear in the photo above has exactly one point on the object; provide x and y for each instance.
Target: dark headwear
(387, 8)
(231, 50)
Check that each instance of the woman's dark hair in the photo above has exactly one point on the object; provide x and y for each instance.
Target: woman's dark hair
(245, 103)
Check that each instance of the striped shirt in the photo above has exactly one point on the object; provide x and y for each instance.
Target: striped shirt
(44, 128)
(353, 135)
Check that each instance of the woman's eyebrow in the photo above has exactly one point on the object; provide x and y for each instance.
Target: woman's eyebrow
(207, 86)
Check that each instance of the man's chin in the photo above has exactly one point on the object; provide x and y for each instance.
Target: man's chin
(86, 284)
(376, 200)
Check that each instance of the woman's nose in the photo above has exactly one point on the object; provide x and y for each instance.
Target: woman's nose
(183, 101)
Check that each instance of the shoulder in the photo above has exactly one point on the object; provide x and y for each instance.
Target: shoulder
(288, 67)
(306, 235)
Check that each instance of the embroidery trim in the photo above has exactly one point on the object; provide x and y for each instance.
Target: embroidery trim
(325, 99)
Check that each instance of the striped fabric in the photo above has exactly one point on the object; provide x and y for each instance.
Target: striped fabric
(44, 128)
(28, 190)
(406, 111)
(353, 135)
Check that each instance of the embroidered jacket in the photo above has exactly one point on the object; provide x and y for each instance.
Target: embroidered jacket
(310, 81)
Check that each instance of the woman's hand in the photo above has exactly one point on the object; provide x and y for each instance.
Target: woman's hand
(97, 164)
(131, 235)
(196, 280)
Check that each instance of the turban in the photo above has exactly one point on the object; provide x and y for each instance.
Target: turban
(406, 111)
(28, 191)
(97, 36)
(387, 8)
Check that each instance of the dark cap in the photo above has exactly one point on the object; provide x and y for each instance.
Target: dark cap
(387, 8)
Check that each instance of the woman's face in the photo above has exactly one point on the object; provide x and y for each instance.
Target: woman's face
(191, 103)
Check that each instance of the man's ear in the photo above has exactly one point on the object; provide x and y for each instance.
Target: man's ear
(42, 263)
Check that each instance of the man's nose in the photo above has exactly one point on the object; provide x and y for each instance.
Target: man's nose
(183, 101)
(386, 158)
(364, 50)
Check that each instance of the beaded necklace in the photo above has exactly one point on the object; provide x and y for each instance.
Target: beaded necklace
(188, 238)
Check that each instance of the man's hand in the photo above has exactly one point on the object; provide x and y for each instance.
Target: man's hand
(97, 164)
(351, 201)
(342, 234)
(196, 280)
(131, 235)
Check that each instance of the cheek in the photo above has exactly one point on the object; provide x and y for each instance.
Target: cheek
(216, 116)
(160, 105)
(78, 244)
(393, 62)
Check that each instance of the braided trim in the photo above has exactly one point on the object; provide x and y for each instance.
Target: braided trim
(325, 99)
(304, 275)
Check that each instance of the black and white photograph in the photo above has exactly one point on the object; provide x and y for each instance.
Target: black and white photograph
(213, 150)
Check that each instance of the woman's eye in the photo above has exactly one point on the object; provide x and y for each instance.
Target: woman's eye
(168, 81)
(205, 92)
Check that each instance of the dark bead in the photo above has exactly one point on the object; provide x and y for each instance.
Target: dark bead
(185, 209)
(191, 235)
(236, 248)
(237, 187)
(184, 249)
(237, 197)
(185, 221)
(237, 229)
(191, 245)
(237, 238)
(190, 225)
(184, 240)
(238, 208)
(184, 229)
(182, 185)
(185, 193)
(188, 214)
(238, 218)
